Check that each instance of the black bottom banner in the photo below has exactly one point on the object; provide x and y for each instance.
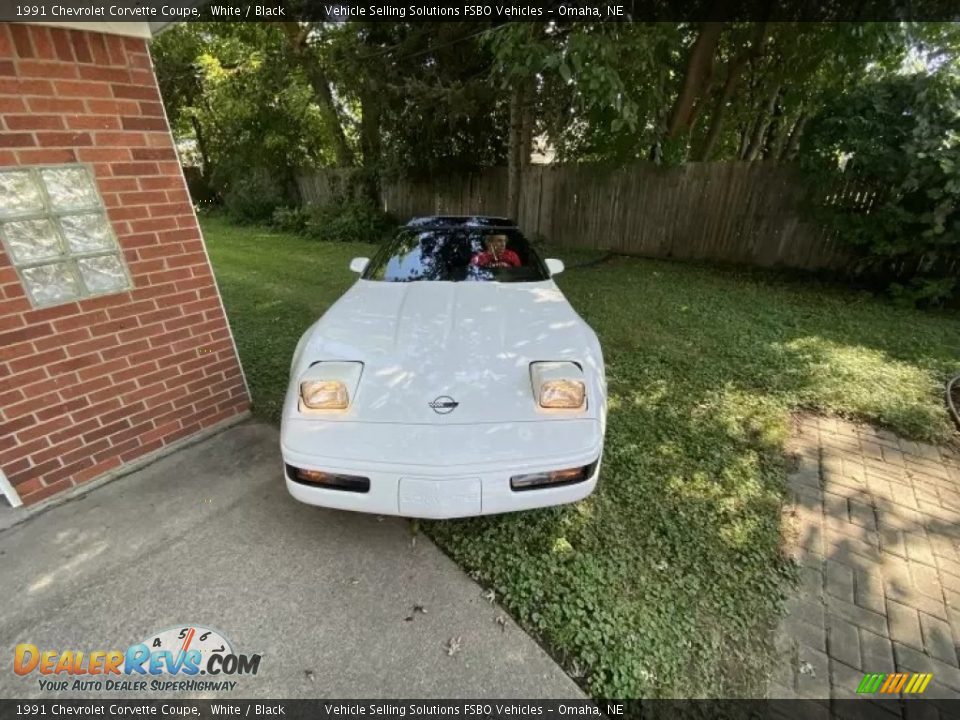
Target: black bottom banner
(499, 709)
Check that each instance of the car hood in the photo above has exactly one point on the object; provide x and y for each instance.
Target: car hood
(472, 342)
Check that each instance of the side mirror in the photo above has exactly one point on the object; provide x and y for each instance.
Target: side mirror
(554, 266)
(359, 264)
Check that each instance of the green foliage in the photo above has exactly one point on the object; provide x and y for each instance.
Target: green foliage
(350, 221)
(253, 195)
(668, 580)
(898, 139)
(241, 113)
(290, 219)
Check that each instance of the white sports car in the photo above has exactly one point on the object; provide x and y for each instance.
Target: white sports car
(452, 379)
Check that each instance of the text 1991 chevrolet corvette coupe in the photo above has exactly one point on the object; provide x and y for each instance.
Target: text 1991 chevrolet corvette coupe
(452, 379)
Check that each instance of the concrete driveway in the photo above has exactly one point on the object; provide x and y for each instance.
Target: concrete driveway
(209, 536)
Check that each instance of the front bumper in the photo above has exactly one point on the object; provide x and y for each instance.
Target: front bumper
(440, 471)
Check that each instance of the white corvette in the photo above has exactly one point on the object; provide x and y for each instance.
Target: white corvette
(452, 379)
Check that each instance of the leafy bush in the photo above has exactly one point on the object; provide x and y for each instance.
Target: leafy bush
(253, 196)
(354, 220)
(290, 219)
(898, 139)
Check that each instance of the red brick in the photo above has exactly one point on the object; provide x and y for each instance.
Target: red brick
(106, 430)
(59, 139)
(17, 86)
(55, 105)
(94, 471)
(47, 156)
(135, 309)
(60, 339)
(14, 396)
(95, 410)
(62, 408)
(136, 168)
(153, 224)
(48, 70)
(118, 55)
(73, 364)
(144, 123)
(25, 334)
(17, 140)
(42, 42)
(112, 107)
(35, 471)
(107, 301)
(34, 122)
(27, 363)
(12, 105)
(64, 473)
(103, 155)
(161, 183)
(7, 68)
(143, 198)
(84, 387)
(88, 450)
(21, 40)
(6, 43)
(84, 319)
(152, 109)
(80, 48)
(58, 451)
(98, 48)
(135, 92)
(156, 154)
(72, 429)
(93, 122)
(61, 44)
(81, 88)
(103, 368)
(104, 74)
(103, 388)
(46, 491)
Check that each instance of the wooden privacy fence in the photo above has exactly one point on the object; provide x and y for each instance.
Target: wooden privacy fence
(736, 212)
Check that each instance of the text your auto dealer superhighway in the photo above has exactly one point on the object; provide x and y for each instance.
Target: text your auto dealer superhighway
(120, 11)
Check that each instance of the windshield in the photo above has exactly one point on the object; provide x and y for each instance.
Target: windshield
(457, 254)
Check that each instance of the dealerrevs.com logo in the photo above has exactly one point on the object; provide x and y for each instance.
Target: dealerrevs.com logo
(168, 661)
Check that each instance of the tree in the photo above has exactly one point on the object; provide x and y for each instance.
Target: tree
(896, 140)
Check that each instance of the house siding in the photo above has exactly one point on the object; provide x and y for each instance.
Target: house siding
(90, 385)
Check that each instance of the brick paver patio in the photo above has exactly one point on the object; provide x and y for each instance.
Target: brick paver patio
(875, 526)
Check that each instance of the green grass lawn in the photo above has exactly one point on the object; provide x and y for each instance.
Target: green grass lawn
(668, 580)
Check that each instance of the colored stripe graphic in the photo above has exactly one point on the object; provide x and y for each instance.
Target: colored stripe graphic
(870, 683)
(894, 683)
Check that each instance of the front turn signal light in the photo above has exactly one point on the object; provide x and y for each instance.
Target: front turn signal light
(324, 395)
(566, 394)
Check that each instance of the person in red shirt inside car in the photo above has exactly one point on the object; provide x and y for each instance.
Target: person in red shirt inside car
(496, 254)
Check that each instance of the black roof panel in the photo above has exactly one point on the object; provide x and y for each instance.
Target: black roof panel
(490, 221)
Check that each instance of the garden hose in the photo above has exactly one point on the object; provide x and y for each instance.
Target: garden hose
(951, 406)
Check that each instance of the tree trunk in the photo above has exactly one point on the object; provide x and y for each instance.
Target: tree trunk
(734, 68)
(515, 151)
(699, 68)
(793, 144)
(527, 120)
(370, 144)
(322, 93)
(760, 129)
(202, 148)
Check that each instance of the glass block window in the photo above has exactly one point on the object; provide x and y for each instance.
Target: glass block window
(56, 233)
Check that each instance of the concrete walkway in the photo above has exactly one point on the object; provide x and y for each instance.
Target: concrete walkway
(875, 524)
(209, 536)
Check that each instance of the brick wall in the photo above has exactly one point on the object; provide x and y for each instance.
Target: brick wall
(89, 385)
